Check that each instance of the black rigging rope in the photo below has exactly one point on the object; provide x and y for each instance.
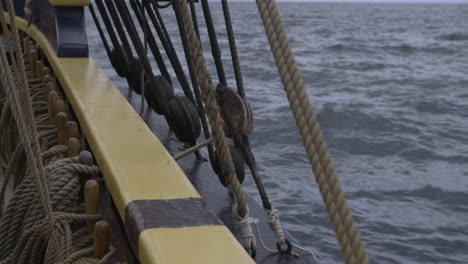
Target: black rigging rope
(101, 33)
(193, 77)
(161, 98)
(233, 48)
(117, 24)
(213, 42)
(194, 18)
(152, 43)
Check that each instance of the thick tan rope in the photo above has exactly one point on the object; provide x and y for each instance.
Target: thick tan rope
(216, 123)
(306, 121)
(24, 119)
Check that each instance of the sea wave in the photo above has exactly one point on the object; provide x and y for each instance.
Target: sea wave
(455, 36)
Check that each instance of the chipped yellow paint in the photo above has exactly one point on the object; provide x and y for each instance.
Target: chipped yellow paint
(194, 245)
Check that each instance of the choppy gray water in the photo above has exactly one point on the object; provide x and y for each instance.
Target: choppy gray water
(390, 85)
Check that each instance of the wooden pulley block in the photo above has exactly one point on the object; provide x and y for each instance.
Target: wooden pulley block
(235, 110)
(119, 61)
(184, 119)
(134, 74)
(238, 161)
(151, 93)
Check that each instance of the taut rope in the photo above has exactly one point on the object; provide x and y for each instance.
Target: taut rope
(216, 122)
(312, 138)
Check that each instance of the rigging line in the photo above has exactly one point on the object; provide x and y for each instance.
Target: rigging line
(145, 37)
(99, 28)
(107, 23)
(340, 214)
(194, 18)
(232, 46)
(137, 8)
(117, 24)
(152, 44)
(161, 98)
(167, 43)
(113, 37)
(215, 51)
(194, 79)
(250, 160)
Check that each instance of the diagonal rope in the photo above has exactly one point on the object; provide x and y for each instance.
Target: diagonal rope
(312, 137)
(216, 122)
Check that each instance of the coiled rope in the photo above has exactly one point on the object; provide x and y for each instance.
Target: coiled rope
(312, 138)
(36, 223)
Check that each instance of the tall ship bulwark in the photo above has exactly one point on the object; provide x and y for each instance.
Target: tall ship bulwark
(91, 174)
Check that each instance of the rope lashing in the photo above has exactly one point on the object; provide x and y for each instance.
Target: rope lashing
(237, 114)
(209, 97)
(306, 121)
(190, 150)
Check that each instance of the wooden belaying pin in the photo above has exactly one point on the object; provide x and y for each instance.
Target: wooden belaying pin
(74, 147)
(91, 197)
(72, 129)
(45, 71)
(32, 58)
(62, 120)
(86, 158)
(38, 71)
(26, 45)
(47, 79)
(40, 53)
(59, 105)
(51, 100)
(50, 86)
(101, 239)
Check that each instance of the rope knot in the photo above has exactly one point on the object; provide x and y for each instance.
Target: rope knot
(275, 224)
(244, 226)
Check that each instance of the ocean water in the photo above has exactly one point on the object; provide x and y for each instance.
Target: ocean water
(389, 83)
